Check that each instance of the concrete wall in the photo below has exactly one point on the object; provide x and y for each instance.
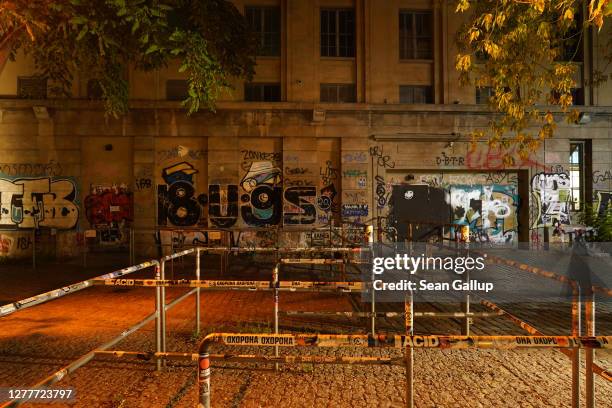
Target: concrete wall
(298, 163)
(241, 168)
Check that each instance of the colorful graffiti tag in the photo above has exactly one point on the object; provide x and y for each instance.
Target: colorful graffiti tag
(45, 202)
(489, 210)
(109, 209)
(177, 201)
(551, 199)
(262, 197)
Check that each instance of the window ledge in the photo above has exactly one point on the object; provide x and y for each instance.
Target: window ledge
(337, 58)
(409, 61)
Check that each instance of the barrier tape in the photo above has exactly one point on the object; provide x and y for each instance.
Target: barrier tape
(75, 287)
(401, 341)
(236, 284)
(394, 314)
(607, 375)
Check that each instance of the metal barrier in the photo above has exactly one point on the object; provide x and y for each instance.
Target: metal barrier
(368, 341)
(66, 290)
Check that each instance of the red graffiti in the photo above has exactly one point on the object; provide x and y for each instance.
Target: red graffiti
(106, 206)
(492, 158)
(5, 244)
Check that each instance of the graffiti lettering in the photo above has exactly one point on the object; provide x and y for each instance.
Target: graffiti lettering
(143, 183)
(180, 152)
(354, 157)
(381, 159)
(296, 171)
(484, 156)
(38, 203)
(300, 205)
(552, 199)
(223, 205)
(382, 196)
(449, 160)
(601, 177)
(50, 169)
(329, 173)
(177, 202)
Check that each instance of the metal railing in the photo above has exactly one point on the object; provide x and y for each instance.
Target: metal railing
(408, 342)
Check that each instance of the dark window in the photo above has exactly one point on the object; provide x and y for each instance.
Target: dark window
(33, 87)
(571, 47)
(416, 94)
(265, 22)
(577, 96)
(415, 35)
(262, 92)
(94, 90)
(483, 94)
(177, 89)
(337, 33)
(577, 174)
(338, 93)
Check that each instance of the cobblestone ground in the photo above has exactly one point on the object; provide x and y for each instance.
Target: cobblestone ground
(36, 342)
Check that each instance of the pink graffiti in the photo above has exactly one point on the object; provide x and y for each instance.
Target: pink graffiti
(492, 158)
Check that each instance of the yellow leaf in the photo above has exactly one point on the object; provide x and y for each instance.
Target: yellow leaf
(463, 62)
(549, 118)
(474, 33)
(487, 19)
(569, 14)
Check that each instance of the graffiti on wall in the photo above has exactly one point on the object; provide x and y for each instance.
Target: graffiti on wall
(109, 209)
(489, 157)
(551, 196)
(489, 210)
(45, 202)
(261, 201)
(177, 200)
(603, 202)
(50, 169)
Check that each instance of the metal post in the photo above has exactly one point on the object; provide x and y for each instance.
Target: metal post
(408, 308)
(163, 311)
(158, 314)
(590, 326)
(204, 378)
(275, 280)
(197, 294)
(576, 331)
(465, 329)
(34, 249)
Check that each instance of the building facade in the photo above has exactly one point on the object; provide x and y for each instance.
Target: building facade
(355, 115)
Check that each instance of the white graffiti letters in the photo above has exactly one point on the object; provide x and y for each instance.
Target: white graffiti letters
(38, 203)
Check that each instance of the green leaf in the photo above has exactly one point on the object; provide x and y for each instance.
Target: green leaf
(82, 34)
(152, 48)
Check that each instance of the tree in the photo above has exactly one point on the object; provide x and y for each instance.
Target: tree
(102, 38)
(525, 51)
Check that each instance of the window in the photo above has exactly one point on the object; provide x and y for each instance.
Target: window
(34, 87)
(415, 35)
(94, 89)
(483, 94)
(571, 47)
(337, 33)
(265, 22)
(416, 94)
(577, 96)
(577, 174)
(338, 93)
(177, 89)
(255, 92)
